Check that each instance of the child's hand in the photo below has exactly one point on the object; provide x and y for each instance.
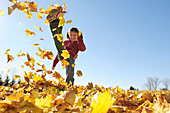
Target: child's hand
(53, 68)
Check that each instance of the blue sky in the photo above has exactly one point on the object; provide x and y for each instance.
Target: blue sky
(127, 40)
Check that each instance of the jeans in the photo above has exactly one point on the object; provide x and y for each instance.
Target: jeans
(70, 70)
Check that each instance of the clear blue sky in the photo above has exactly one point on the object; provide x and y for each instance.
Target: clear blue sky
(127, 40)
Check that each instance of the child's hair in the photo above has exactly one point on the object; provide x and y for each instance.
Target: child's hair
(73, 29)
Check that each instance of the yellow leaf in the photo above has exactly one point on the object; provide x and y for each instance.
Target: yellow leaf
(8, 71)
(104, 102)
(39, 63)
(43, 102)
(79, 33)
(73, 65)
(20, 22)
(36, 79)
(79, 73)
(14, 1)
(41, 10)
(59, 37)
(62, 21)
(64, 63)
(35, 27)
(29, 32)
(64, 6)
(20, 54)
(22, 66)
(36, 44)
(16, 77)
(39, 16)
(2, 12)
(65, 54)
(7, 52)
(69, 21)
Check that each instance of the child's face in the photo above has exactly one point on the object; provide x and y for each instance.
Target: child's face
(73, 36)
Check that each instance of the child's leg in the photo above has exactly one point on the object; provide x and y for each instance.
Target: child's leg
(70, 71)
(58, 30)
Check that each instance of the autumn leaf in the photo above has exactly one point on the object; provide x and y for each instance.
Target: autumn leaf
(69, 97)
(36, 44)
(10, 58)
(29, 33)
(79, 33)
(64, 63)
(14, 1)
(17, 77)
(2, 12)
(103, 103)
(73, 65)
(69, 21)
(79, 73)
(65, 54)
(40, 29)
(59, 37)
(7, 52)
(62, 21)
(56, 75)
(41, 39)
(20, 54)
(35, 27)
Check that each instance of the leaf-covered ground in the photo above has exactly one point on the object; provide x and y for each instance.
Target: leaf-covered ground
(42, 96)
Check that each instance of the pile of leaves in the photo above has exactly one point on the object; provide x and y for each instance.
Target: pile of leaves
(36, 94)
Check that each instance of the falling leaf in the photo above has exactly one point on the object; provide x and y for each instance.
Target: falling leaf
(69, 21)
(79, 33)
(64, 6)
(10, 58)
(64, 63)
(39, 16)
(40, 29)
(35, 27)
(8, 71)
(41, 10)
(41, 39)
(7, 52)
(16, 77)
(14, 1)
(39, 63)
(2, 12)
(79, 73)
(20, 22)
(65, 54)
(29, 33)
(36, 44)
(56, 75)
(20, 54)
(28, 57)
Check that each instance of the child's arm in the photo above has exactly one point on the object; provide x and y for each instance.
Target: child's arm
(81, 44)
(56, 60)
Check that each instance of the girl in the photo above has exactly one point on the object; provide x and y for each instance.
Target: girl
(73, 45)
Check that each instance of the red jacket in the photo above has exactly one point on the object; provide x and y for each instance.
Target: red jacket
(72, 47)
